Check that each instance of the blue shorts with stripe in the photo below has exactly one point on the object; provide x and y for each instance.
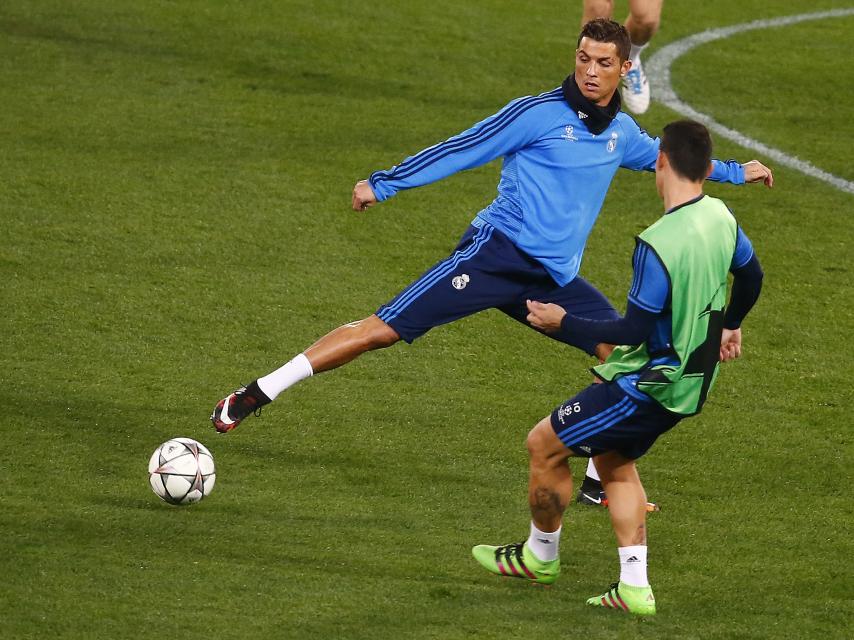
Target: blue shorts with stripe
(603, 418)
(488, 271)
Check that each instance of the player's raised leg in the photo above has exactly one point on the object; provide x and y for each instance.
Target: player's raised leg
(627, 507)
(336, 348)
(549, 491)
(464, 283)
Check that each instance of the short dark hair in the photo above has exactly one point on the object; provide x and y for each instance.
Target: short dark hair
(688, 147)
(604, 30)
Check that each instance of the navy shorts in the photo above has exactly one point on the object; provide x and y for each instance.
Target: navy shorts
(488, 271)
(603, 418)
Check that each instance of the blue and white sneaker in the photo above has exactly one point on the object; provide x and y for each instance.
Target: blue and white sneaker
(636, 90)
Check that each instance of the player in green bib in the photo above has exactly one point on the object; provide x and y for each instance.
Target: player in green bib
(677, 329)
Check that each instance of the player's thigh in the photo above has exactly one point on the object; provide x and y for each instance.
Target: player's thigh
(544, 445)
(473, 278)
(586, 422)
(578, 297)
(604, 418)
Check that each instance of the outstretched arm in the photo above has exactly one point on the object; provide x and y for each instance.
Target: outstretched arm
(515, 126)
(633, 328)
(642, 151)
(647, 300)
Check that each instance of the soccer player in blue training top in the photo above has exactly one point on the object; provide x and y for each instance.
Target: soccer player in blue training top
(677, 332)
(561, 150)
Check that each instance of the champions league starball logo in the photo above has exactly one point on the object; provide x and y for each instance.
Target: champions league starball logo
(566, 410)
(460, 282)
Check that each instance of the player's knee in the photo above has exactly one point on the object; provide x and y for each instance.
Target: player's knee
(377, 334)
(646, 21)
(540, 444)
(598, 9)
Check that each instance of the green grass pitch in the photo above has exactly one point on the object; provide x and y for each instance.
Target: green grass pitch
(174, 211)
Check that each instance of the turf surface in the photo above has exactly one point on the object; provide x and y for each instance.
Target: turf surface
(174, 209)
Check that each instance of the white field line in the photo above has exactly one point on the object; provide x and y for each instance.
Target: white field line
(658, 71)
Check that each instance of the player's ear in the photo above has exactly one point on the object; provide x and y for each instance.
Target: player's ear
(709, 170)
(625, 67)
(660, 161)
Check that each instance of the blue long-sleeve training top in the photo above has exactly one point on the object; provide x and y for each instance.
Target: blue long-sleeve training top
(648, 317)
(555, 175)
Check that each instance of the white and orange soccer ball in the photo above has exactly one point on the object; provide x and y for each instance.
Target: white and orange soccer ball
(181, 471)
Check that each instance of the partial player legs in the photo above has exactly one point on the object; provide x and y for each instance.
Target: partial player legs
(462, 284)
(644, 20)
(589, 421)
(626, 498)
(596, 9)
(336, 348)
(549, 491)
(627, 507)
(642, 23)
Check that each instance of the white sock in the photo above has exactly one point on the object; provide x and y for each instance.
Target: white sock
(634, 53)
(285, 376)
(591, 470)
(544, 545)
(633, 565)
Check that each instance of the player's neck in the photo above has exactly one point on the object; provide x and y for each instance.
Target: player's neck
(678, 192)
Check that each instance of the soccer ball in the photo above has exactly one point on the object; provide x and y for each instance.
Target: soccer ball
(181, 471)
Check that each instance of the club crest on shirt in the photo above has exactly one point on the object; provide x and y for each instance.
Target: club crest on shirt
(460, 282)
(612, 143)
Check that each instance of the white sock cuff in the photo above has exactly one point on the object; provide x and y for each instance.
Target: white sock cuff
(638, 551)
(635, 51)
(553, 534)
(302, 361)
(544, 545)
(633, 565)
(285, 376)
(591, 470)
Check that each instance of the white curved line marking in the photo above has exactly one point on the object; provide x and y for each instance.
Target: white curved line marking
(658, 73)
